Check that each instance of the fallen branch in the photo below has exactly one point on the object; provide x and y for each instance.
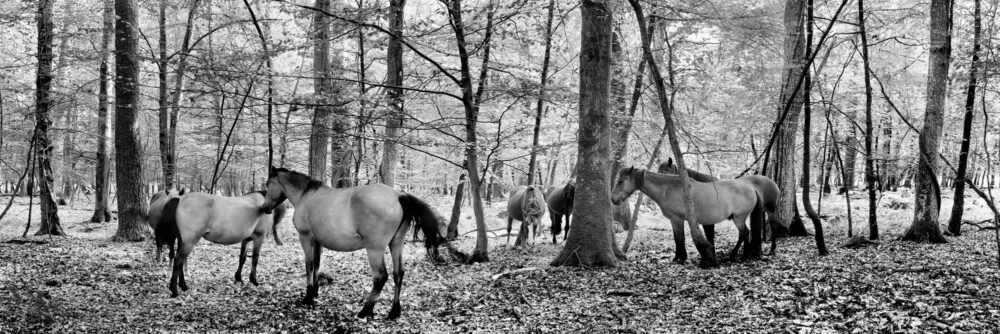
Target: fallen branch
(512, 272)
(915, 269)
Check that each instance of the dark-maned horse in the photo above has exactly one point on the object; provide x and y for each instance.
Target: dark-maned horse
(219, 219)
(527, 205)
(160, 202)
(369, 217)
(560, 202)
(767, 188)
(714, 202)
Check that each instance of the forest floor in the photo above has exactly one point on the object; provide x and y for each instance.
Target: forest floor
(86, 283)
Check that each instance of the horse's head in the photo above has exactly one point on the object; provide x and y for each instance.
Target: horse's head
(274, 191)
(667, 167)
(569, 192)
(629, 180)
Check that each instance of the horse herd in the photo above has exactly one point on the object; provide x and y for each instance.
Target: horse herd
(375, 217)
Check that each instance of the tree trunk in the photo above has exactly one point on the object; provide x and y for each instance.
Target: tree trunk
(869, 129)
(886, 169)
(166, 160)
(806, 133)
(43, 146)
(128, 147)
(471, 102)
(320, 130)
(850, 147)
(102, 211)
(456, 209)
(783, 168)
(533, 160)
(68, 163)
(589, 244)
(621, 120)
(175, 103)
(394, 93)
(927, 195)
(955, 223)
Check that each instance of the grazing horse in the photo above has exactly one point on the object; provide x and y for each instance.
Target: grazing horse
(714, 202)
(157, 205)
(560, 201)
(763, 184)
(370, 217)
(526, 204)
(219, 219)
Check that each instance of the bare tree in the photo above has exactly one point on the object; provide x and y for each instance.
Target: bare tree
(533, 160)
(43, 146)
(102, 211)
(806, 132)
(869, 129)
(955, 223)
(320, 132)
(132, 205)
(394, 93)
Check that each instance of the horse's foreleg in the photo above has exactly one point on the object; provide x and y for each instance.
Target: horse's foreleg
(309, 252)
(376, 258)
(174, 275)
(680, 251)
(709, 233)
(243, 258)
(510, 222)
(566, 230)
(257, 243)
(396, 251)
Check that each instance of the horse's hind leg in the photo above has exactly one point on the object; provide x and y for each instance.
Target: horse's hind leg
(376, 258)
(510, 222)
(396, 251)
(243, 258)
(709, 233)
(180, 261)
(258, 241)
(741, 226)
(680, 253)
(566, 230)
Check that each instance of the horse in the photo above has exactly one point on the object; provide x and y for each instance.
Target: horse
(370, 217)
(219, 219)
(560, 202)
(763, 184)
(714, 202)
(526, 204)
(157, 206)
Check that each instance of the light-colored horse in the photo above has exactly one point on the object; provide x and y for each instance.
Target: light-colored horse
(764, 185)
(369, 217)
(157, 206)
(527, 205)
(714, 202)
(219, 219)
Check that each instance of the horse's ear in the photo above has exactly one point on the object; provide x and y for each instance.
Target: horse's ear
(272, 172)
(670, 161)
(182, 192)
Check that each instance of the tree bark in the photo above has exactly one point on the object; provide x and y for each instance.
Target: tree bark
(43, 146)
(175, 103)
(394, 93)
(128, 148)
(806, 133)
(621, 121)
(320, 130)
(102, 211)
(166, 159)
(869, 129)
(68, 164)
(955, 223)
(927, 193)
(456, 209)
(533, 160)
(589, 244)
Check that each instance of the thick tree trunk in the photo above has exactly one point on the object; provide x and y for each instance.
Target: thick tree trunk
(927, 194)
(589, 244)
(132, 205)
(533, 160)
(806, 132)
(320, 130)
(43, 146)
(102, 211)
(394, 93)
(955, 223)
(869, 129)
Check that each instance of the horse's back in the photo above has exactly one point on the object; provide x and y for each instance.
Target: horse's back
(514, 203)
(341, 218)
(768, 189)
(220, 219)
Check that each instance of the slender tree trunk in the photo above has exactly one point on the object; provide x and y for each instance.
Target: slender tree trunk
(320, 130)
(927, 195)
(166, 160)
(869, 129)
(456, 209)
(806, 133)
(175, 103)
(621, 121)
(588, 243)
(955, 223)
(68, 163)
(43, 146)
(128, 148)
(533, 160)
(102, 211)
(394, 93)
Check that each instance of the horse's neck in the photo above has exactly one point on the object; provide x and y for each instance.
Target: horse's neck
(659, 186)
(699, 176)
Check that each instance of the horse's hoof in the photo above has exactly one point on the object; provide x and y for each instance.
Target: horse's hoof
(394, 312)
(254, 281)
(184, 287)
(366, 313)
(307, 302)
(680, 260)
(706, 264)
(239, 279)
(174, 294)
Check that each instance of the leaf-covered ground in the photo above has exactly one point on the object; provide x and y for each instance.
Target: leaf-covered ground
(85, 283)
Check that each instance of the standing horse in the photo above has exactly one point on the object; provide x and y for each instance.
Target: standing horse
(160, 203)
(560, 201)
(369, 217)
(222, 220)
(527, 205)
(763, 184)
(714, 202)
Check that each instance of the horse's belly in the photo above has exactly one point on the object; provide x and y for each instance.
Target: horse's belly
(341, 242)
(227, 236)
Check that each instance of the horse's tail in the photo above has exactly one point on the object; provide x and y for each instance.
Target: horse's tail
(757, 221)
(421, 214)
(277, 216)
(166, 231)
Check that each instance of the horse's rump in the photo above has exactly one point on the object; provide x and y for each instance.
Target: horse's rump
(166, 231)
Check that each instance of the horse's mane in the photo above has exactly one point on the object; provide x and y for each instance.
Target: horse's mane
(299, 180)
(261, 192)
(670, 168)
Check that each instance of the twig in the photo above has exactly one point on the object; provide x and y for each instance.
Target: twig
(512, 272)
